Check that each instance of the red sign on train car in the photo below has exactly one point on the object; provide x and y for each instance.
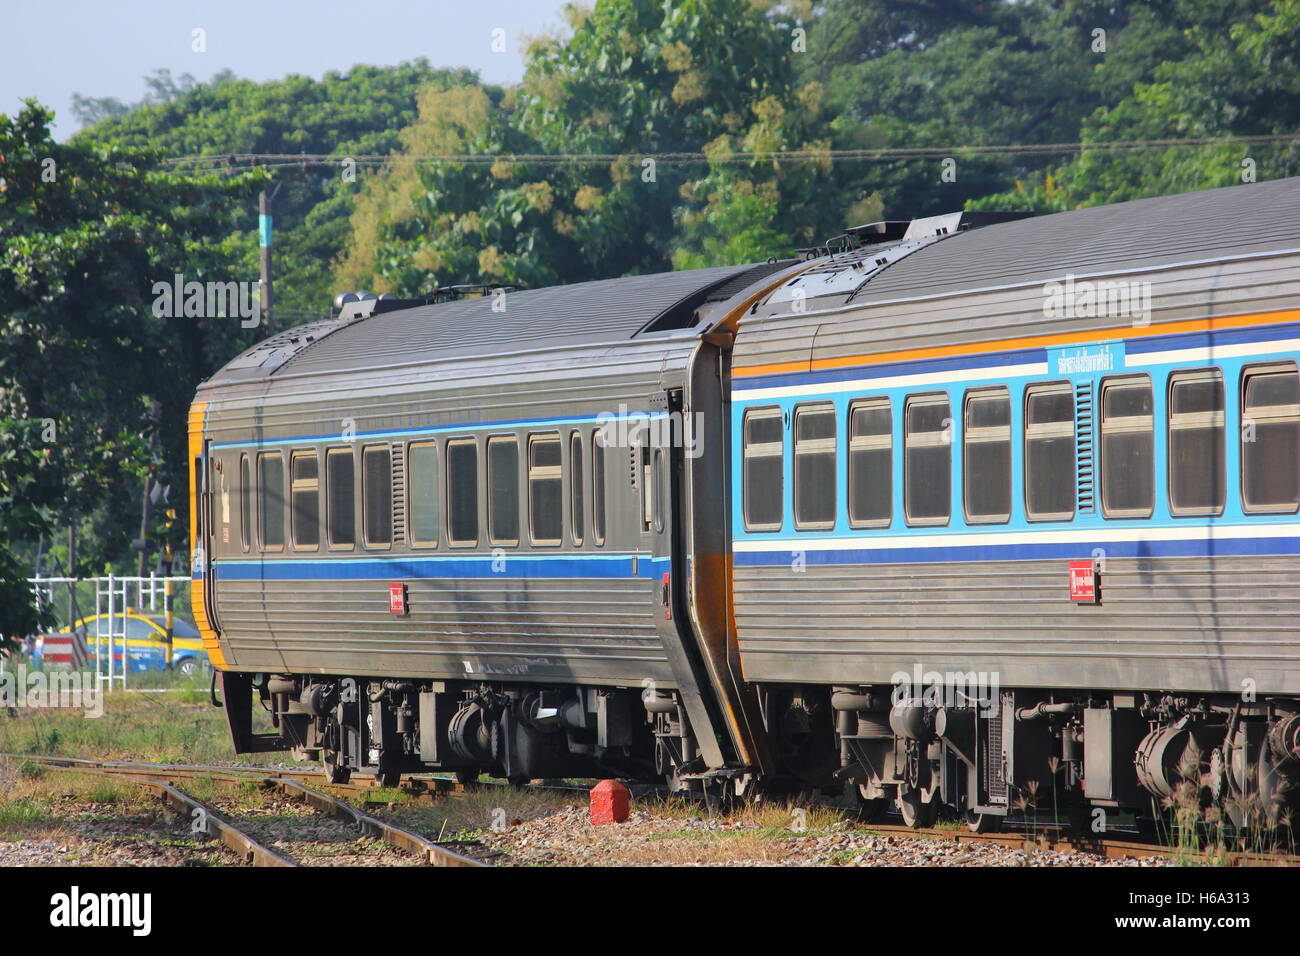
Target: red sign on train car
(1083, 581)
(397, 597)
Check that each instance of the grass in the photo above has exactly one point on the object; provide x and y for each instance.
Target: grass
(36, 805)
(180, 727)
(466, 816)
(796, 817)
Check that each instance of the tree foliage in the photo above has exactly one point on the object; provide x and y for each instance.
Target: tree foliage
(358, 112)
(94, 388)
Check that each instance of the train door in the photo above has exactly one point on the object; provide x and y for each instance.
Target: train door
(659, 473)
(202, 557)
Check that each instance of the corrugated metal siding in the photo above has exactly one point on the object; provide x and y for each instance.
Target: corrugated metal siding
(537, 630)
(534, 629)
(1185, 623)
(1178, 623)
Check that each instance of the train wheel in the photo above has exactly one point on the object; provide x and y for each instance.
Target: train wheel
(982, 822)
(1270, 790)
(388, 778)
(917, 814)
(467, 778)
(334, 771)
(871, 808)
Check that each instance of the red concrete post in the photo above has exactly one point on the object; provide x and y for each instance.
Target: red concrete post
(609, 803)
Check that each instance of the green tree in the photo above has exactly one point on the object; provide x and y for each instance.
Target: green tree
(635, 79)
(1228, 70)
(343, 114)
(94, 387)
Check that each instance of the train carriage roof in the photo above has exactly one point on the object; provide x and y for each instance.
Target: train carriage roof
(1145, 233)
(606, 310)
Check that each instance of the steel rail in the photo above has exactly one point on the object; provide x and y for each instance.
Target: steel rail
(288, 782)
(155, 777)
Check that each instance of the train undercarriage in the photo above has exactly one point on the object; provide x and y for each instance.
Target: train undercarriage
(1085, 757)
(1082, 756)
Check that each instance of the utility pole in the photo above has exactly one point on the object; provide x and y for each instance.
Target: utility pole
(264, 240)
(72, 571)
(264, 201)
(144, 525)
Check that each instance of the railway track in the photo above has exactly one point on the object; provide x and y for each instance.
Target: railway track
(299, 787)
(224, 824)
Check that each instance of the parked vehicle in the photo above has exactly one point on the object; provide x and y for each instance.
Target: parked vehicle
(146, 643)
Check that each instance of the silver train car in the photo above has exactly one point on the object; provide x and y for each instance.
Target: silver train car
(961, 512)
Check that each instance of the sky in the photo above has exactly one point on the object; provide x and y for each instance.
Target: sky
(55, 48)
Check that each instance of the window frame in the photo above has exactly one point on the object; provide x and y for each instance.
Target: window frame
(261, 504)
(1063, 386)
(245, 503)
(577, 490)
(447, 486)
(366, 543)
(973, 435)
(296, 455)
(763, 411)
(1107, 383)
(501, 439)
(599, 503)
(1247, 373)
(538, 438)
(815, 408)
(411, 539)
(339, 451)
(927, 398)
(870, 401)
(1211, 374)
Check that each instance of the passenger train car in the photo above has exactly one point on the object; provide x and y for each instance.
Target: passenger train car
(961, 512)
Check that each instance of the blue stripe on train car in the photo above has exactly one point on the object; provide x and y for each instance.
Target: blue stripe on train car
(442, 566)
(1216, 547)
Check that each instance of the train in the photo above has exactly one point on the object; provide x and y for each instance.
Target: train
(979, 514)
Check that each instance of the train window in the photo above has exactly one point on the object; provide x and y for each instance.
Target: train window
(270, 488)
(503, 489)
(422, 492)
(814, 466)
(575, 487)
(1270, 439)
(657, 478)
(986, 441)
(1196, 485)
(304, 500)
(871, 471)
(545, 493)
(641, 454)
(1127, 448)
(927, 459)
(597, 488)
(377, 496)
(462, 492)
(1049, 452)
(245, 532)
(341, 497)
(764, 464)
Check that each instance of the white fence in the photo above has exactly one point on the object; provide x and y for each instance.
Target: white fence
(108, 625)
